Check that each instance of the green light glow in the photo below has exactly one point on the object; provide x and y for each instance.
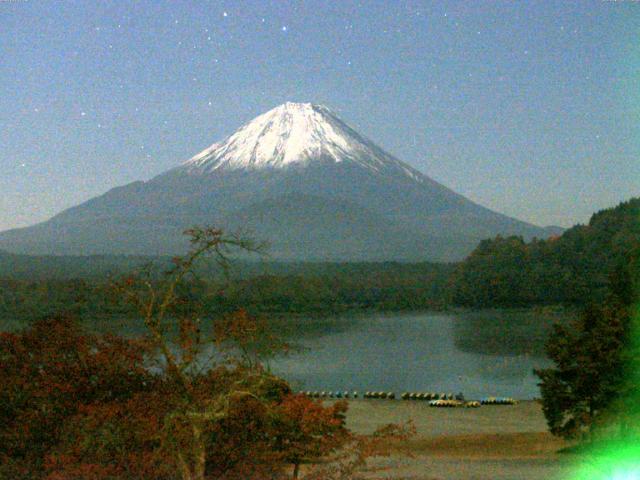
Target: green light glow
(618, 461)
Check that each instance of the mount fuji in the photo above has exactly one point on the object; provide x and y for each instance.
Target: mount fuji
(296, 176)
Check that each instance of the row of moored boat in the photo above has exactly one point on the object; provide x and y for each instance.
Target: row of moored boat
(434, 399)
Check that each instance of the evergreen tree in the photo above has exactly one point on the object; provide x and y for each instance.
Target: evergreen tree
(592, 364)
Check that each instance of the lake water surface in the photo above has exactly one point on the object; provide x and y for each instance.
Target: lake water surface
(479, 354)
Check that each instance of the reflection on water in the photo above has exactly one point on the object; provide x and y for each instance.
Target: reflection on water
(487, 354)
(499, 332)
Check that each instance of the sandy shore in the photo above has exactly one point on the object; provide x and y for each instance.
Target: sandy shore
(490, 442)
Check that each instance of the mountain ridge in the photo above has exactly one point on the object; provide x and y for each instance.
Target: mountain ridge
(294, 152)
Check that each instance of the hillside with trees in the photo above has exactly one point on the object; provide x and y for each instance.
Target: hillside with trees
(571, 269)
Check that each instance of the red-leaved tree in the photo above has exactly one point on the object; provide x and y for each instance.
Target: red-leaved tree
(47, 373)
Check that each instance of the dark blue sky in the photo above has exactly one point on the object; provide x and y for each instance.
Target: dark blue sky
(530, 108)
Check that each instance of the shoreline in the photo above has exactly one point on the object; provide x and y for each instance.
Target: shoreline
(487, 443)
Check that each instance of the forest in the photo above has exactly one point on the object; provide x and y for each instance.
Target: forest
(259, 288)
(571, 269)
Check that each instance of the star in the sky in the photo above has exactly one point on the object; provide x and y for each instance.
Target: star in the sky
(284, 28)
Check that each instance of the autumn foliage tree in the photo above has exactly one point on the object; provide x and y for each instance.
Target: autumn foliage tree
(188, 427)
(305, 431)
(47, 374)
(226, 416)
(188, 400)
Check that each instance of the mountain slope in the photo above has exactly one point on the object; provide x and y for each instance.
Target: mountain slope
(300, 178)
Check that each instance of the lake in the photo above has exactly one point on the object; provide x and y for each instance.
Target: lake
(477, 353)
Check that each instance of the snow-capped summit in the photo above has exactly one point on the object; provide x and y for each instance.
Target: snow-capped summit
(294, 134)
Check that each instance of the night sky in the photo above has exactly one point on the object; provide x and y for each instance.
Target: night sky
(529, 108)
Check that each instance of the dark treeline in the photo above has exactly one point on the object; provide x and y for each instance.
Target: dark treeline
(334, 288)
(259, 287)
(572, 269)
